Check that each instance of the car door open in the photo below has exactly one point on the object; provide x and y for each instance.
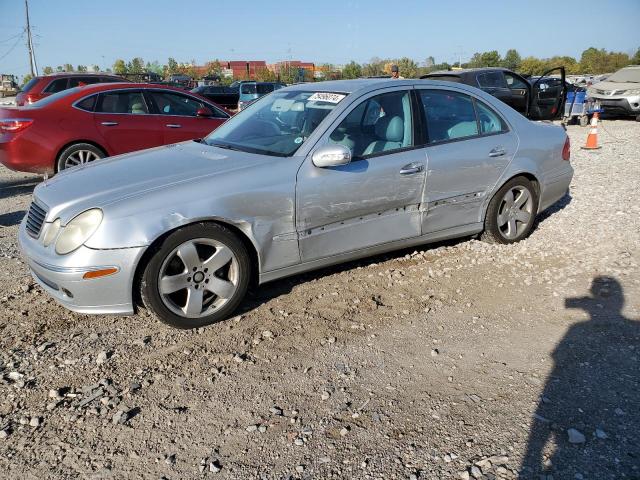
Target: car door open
(547, 100)
(373, 199)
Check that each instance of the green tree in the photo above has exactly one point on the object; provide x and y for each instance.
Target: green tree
(635, 60)
(475, 61)
(136, 65)
(491, 59)
(593, 60)
(26, 79)
(352, 70)
(512, 60)
(154, 67)
(407, 68)
(68, 67)
(172, 67)
(47, 70)
(81, 68)
(374, 68)
(59, 68)
(96, 68)
(265, 75)
(119, 67)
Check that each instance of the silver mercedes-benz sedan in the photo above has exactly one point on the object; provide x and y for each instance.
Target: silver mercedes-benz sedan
(308, 176)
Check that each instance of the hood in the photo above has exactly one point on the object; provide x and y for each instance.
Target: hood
(618, 87)
(119, 178)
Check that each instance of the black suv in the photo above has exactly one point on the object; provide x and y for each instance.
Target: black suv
(531, 98)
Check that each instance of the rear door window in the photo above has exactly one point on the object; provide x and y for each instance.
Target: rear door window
(449, 115)
(490, 121)
(491, 80)
(130, 101)
(57, 86)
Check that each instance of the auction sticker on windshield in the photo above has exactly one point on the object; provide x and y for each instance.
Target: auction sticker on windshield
(326, 97)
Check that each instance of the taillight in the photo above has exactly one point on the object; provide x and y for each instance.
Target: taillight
(13, 125)
(566, 150)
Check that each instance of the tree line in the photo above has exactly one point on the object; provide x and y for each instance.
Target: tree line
(592, 61)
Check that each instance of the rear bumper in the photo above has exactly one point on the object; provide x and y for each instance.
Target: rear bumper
(555, 186)
(19, 152)
(61, 276)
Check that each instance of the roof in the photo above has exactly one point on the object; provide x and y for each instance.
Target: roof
(350, 86)
(84, 74)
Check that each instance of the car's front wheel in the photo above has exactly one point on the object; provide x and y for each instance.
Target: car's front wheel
(511, 212)
(197, 276)
(78, 154)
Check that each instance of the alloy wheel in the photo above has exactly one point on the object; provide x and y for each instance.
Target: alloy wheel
(515, 212)
(80, 157)
(198, 277)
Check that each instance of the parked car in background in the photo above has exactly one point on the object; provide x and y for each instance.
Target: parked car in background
(43, 86)
(83, 124)
(250, 91)
(224, 96)
(533, 99)
(8, 86)
(311, 175)
(619, 94)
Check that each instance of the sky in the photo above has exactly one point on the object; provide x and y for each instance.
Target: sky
(333, 31)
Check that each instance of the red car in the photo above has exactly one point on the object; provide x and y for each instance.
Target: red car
(83, 124)
(39, 87)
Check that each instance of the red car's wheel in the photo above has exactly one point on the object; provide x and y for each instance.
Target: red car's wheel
(78, 154)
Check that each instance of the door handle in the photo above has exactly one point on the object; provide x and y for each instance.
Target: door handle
(109, 124)
(173, 125)
(412, 169)
(497, 152)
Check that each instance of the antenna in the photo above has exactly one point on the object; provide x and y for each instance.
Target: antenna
(32, 55)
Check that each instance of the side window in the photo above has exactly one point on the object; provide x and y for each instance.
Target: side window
(514, 82)
(379, 124)
(449, 115)
(57, 86)
(122, 102)
(490, 121)
(170, 103)
(80, 81)
(87, 104)
(264, 88)
(491, 80)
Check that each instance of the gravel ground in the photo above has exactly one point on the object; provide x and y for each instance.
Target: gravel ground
(457, 360)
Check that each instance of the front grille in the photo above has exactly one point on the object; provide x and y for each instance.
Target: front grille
(35, 219)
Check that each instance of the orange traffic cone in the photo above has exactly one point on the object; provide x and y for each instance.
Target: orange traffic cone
(592, 138)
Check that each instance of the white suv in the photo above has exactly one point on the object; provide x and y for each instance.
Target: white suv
(620, 93)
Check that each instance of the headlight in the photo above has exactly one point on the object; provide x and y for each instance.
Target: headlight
(51, 233)
(78, 231)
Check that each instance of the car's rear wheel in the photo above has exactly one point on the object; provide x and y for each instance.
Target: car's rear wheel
(78, 154)
(511, 212)
(198, 275)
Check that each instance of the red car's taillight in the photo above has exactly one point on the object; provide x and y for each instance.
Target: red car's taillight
(566, 150)
(13, 125)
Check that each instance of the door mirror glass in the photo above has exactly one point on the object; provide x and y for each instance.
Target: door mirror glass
(204, 112)
(332, 155)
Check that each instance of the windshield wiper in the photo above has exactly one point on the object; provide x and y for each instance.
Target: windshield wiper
(225, 146)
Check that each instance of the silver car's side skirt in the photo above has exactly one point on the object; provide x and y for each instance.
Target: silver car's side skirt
(454, 232)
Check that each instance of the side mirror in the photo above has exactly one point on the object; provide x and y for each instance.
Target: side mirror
(204, 112)
(331, 155)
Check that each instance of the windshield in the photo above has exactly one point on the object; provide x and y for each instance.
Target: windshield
(277, 124)
(626, 75)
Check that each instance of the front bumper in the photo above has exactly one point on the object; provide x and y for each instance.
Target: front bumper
(61, 276)
(629, 105)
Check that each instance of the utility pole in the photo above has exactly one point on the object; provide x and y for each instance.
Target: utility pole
(32, 55)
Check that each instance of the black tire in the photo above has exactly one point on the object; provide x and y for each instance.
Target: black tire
(584, 121)
(495, 233)
(638, 118)
(150, 293)
(78, 151)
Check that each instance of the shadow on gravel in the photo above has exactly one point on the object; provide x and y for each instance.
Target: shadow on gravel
(591, 402)
(11, 219)
(18, 187)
